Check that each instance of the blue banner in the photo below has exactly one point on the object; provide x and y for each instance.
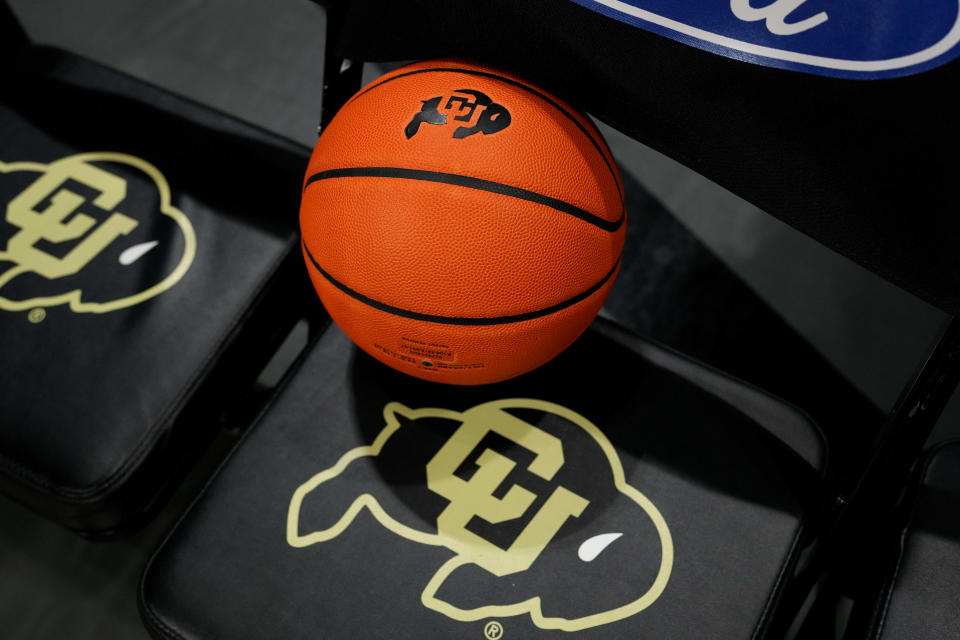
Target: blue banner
(866, 39)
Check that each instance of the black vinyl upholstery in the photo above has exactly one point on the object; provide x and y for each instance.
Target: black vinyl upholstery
(146, 243)
(307, 531)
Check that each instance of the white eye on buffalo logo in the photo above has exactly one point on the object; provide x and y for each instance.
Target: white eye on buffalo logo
(56, 236)
(465, 107)
(604, 511)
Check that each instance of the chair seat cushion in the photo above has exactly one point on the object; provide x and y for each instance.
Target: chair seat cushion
(138, 236)
(619, 491)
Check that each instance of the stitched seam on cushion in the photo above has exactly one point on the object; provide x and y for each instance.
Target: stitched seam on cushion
(43, 483)
(159, 624)
(882, 618)
(878, 625)
(775, 594)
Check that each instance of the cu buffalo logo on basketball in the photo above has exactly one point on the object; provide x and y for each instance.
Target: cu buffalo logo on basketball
(526, 499)
(95, 232)
(476, 112)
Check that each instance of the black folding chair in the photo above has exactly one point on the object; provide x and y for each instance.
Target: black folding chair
(854, 154)
(148, 268)
(326, 504)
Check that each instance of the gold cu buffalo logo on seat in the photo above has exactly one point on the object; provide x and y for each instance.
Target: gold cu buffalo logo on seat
(471, 105)
(74, 229)
(588, 528)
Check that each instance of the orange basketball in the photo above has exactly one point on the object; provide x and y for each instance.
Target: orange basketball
(460, 224)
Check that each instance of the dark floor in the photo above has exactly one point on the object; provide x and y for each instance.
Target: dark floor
(261, 60)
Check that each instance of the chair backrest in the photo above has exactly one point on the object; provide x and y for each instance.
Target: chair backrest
(854, 154)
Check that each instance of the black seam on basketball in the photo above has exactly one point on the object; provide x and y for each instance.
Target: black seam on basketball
(426, 317)
(525, 87)
(468, 182)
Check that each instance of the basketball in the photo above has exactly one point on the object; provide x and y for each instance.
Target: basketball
(460, 224)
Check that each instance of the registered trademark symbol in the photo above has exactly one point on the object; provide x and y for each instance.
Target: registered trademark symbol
(493, 631)
(37, 315)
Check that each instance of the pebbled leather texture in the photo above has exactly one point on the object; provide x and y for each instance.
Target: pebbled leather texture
(417, 198)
